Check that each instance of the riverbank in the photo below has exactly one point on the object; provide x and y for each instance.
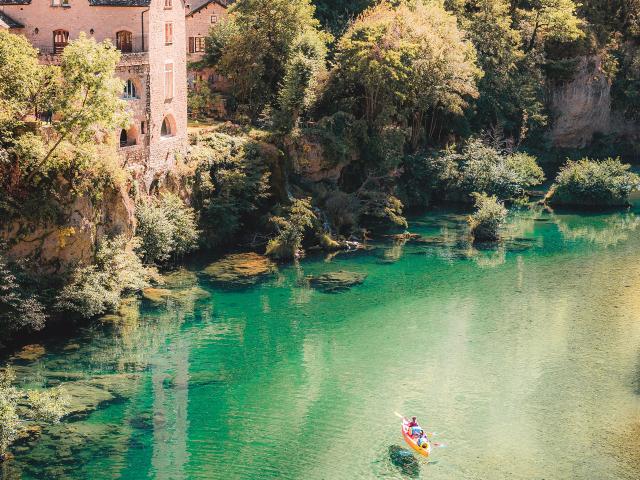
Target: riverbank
(514, 358)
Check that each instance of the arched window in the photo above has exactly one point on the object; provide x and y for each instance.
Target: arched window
(130, 89)
(123, 138)
(124, 41)
(167, 128)
(60, 40)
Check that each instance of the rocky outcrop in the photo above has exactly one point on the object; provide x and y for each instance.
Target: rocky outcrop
(54, 247)
(309, 159)
(582, 107)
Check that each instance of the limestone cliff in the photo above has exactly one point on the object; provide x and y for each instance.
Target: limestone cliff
(581, 108)
(54, 247)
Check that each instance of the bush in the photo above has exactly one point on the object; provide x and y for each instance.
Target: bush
(592, 183)
(17, 407)
(452, 175)
(291, 229)
(231, 185)
(97, 289)
(489, 216)
(20, 309)
(166, 227)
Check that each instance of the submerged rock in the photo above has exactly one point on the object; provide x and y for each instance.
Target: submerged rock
(156, 295)
(404, 460)
(334, 282)
(88, 394)
(29, 353)
(241, 269)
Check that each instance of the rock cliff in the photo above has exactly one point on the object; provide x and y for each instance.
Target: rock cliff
(582, 107)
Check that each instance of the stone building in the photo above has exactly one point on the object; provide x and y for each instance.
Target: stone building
(201, 15)
(151, 35)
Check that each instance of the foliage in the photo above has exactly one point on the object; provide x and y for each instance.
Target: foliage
(20, 309)
(42, 164)
(477, 167)
(253, 48)
(290, 229)
(594, 183)
(487, 219)
(335, 15)
(511, 90)
(299, 85)
(201, 100)
(409, 60)
(97, 289)
(381, 210)
(544, 20)
(19, 406)
(166, 228)
(231, 185)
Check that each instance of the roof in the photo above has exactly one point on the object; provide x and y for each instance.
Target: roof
(204, 4)
(119, 3)
(7, 22)
(93, 3)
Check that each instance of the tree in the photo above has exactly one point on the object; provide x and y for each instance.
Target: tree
(259, 39)
(511, 95)
(408, 61)
(291, 229)
(298, 91)
(543, 20)
(89, 96)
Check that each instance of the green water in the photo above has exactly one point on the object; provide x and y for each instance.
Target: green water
(525, 359)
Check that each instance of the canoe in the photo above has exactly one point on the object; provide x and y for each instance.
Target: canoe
(424, 451)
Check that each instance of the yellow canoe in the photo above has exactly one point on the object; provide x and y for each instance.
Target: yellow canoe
(424, 450)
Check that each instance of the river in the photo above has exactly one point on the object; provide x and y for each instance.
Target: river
(523, 358)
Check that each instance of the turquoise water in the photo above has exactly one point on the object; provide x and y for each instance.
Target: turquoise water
(523, 358)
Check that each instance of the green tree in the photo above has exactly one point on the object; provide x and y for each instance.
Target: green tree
(489, 216)
(89, 97)
(408, 61)
(259, 40)
(543, 20)
(287, 244)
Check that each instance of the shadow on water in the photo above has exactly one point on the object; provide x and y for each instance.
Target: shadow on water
(405, 461)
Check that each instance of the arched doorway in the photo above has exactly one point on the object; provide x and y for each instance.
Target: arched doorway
(168, 128)
(123, 138)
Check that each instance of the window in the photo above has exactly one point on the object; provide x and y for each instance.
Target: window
(59, 3)
(167, 129)
(124, 41)
(214, 18)
(168, 80)
(196, 44)
(168, 4)
(130, 90)
(168, 33)
(60, 40)
(143, 127)
(123, 138)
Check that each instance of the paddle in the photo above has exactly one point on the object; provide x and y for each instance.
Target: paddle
(431, 434)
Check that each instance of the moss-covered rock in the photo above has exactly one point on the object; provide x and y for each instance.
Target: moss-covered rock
(241, 269)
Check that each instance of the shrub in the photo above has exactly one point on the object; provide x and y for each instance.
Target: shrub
(478, 167)
(97, 289)
(489, 216)
(593, 183)
(231, 184)
(19, 406)
(20, 309)
(291, 229)
(166, 227)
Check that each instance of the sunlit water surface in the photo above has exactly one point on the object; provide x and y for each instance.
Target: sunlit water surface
(524, 359)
